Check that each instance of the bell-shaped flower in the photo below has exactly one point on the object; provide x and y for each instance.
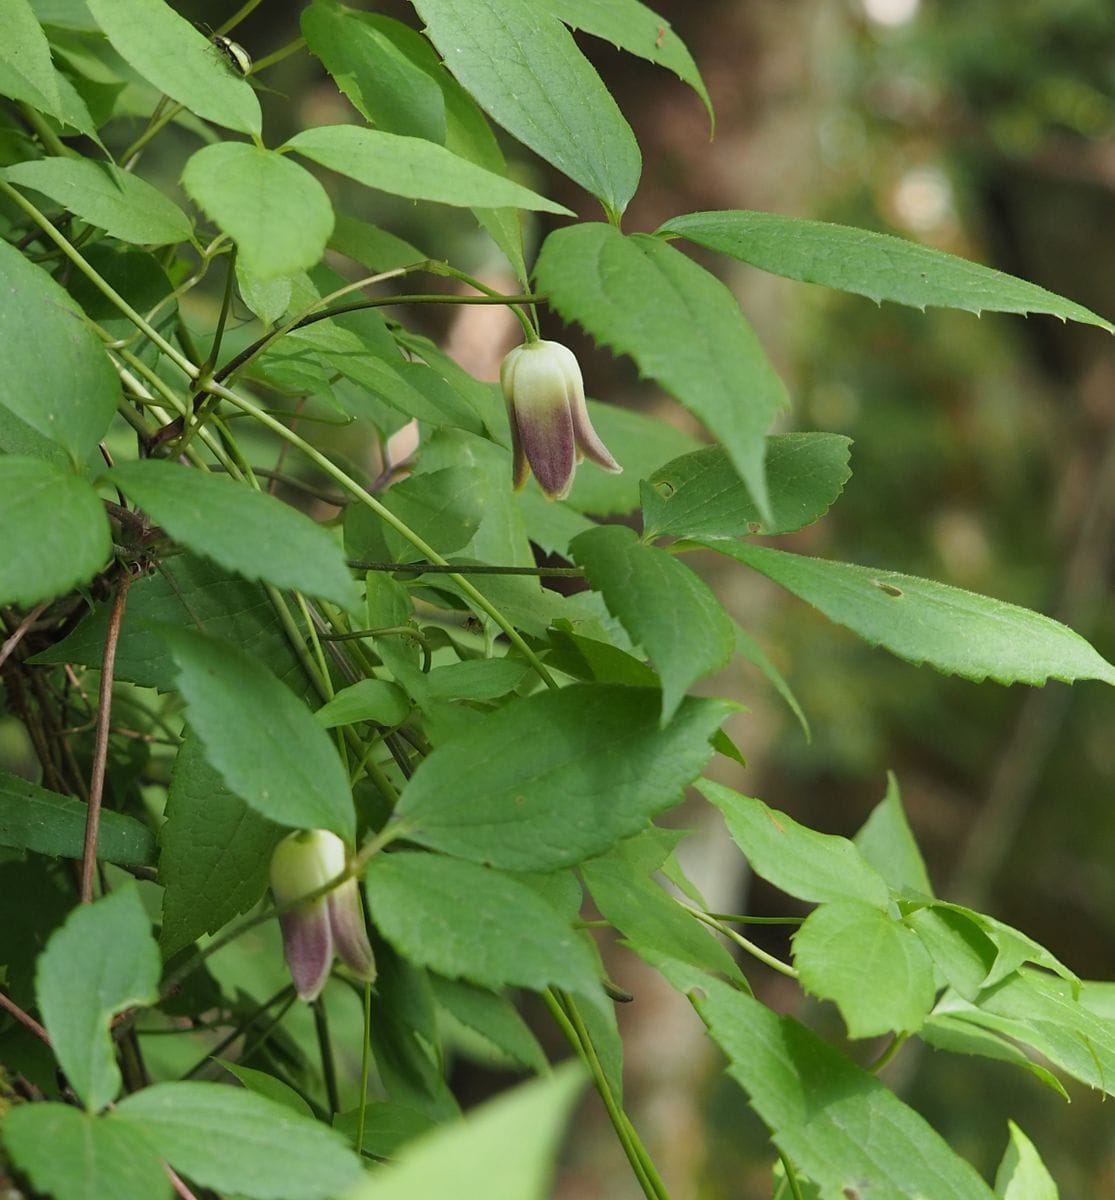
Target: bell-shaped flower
(328, 924)
(550, 427)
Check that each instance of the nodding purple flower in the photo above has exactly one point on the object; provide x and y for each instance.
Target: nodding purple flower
(550, 427)
(329, 924)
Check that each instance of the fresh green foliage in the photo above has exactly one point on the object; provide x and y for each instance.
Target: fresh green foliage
(264, 570)
(108, 946)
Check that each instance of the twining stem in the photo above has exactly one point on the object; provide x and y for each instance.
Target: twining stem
(100, 740)
(433, 568)
(255, 1015)
(365, 1068)
(791, 1176)
(896, 1043)
(178, 1183)
(478, 599)
(13, 1009)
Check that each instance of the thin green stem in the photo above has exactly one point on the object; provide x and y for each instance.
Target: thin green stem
(564, 1011)
(896, 1044)
(238, 1032)
(241, 14)
(775, 964)
(277, 56)
(431, 568)
(50, 140)
(179, 360)
(791, 1177)
(478, 599)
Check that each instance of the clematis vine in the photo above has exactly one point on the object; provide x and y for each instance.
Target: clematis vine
(329, 924)
(550, 427)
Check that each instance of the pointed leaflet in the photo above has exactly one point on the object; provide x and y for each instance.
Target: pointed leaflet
(680, 324)
(275, 211)
(106, 948)
(1021, 1174)
(56, 534)
(241, 529)
(26, 70)
(414, 168)
(520, 1131)
(956, 632)
(101, 194)
(638, 30)
(799, 861)
(839, 1125)
(700, 495)
(169, 52)
(260, 737)
(875, 265)
(494, 1017)
(508, 55)
(505, 934)
(236, 1141)
(214, 851)
(555, 778)
(662, 604)
(32, 818)
(72, 1155)
(886, 842)
(57, 378)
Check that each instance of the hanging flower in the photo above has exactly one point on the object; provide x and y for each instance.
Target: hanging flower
(316, 929)
(550, 427)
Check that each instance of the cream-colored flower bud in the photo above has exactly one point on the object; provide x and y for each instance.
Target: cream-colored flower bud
(550, 427)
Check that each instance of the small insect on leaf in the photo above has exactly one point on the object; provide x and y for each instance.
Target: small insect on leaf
(238, 58)
(889, 588)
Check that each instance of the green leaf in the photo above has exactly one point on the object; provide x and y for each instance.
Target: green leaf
(372, 247)
(170, 53)
(366, 700)
(837, 1124)
(380, 80)
(508, 55)
(875, 265)
(1021, 1174)
(109, 948)
(874, 968)
(387, 1127)
(693, 339)
(637, 29)
(233, 1140)
(268, 1086)
(26, 70)
(480, 679)
(262, 740)
(214, 852)
(56, 532)
(57, 378)
(1040, 1011)
(193, 594)
(520, 1131)
(886, 842)
(700, 495)
(241, 529)
(956, 632)
(414, 168)
(72, 1155)
(116, 201)
(505, 934)
(944, 1032)
(648, 917)
(667, 609)
(494, 1017)
(555, 778)
(275, 211)
(32, 818)
(799, 861)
